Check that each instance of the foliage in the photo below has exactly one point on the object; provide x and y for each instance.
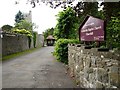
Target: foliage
(56, 3)
(34, 38)
(18, 17)
(61, 49)
(102, 46)
(29, 41)
(101, 15)
(23, 24)
(7, 28)
(84, 8)
(66, 26)
(53, 4)
(48, 32)
(113, 33)
(90, 8)
(25, 27)
(111, 9)
(22, 31)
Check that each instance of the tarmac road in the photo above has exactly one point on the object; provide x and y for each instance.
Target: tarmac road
(35, 70)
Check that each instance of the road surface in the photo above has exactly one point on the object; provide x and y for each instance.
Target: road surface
(35, 70)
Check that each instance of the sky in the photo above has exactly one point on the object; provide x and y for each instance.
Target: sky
(43, 16)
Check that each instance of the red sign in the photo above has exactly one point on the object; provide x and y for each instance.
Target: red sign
(92, 29)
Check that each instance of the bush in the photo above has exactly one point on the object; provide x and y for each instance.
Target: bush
(61, 49)
(7, 28)
(23, 32)
(113, 33)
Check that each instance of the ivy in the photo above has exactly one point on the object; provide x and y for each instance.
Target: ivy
(113, 33)
(34, 38)
(23, 32)
(66, 26)
(29, 41)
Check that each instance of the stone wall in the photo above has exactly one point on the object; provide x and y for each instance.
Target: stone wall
(12, 43)
(94, 69)
(0, 48)
(39, 40)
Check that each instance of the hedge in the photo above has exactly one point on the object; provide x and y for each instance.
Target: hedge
(61, 49)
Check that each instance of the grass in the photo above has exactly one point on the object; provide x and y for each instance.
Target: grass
(8, 57)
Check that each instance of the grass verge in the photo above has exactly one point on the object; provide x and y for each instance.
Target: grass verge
(5, 58)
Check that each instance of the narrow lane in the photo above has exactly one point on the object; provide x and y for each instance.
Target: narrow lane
(35, 70)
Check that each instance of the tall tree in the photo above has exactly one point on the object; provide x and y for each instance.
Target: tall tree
(83, 9)
(111, 9)
(66, 26)
(90, 8)
(18, 17)
(48, 32)
(23, 24)
(113, 32)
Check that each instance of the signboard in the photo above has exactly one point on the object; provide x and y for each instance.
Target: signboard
(92, 29)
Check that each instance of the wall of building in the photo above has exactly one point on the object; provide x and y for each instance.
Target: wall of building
(12, 43)
(28, 16)
(94, 69)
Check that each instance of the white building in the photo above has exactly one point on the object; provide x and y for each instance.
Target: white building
(28, 16)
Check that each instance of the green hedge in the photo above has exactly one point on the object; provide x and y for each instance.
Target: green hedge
(113, 33)
(61, 49)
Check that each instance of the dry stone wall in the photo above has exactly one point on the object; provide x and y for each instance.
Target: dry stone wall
(94, 69)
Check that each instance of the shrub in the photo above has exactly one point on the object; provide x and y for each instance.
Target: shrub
(7, 28)
(61, 49)
(23, 32)
(67, 24)
(113, 33)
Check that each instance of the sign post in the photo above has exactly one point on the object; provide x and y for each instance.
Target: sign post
(92, 29)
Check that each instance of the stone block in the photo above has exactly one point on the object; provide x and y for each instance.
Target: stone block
(109, 64)
(80, 60)
(86, 74)
(107, 60)
(92, 78)
(115, 62)
(86, 84)
(98, 60)
(88, 61)
(102, 64)
(90, 70)
(77, 76)
(81, 74)
(77, 68)
(81, 67)
(102, 75)
(114, 79)
(99, 85)
(93, 61)
(114, 69)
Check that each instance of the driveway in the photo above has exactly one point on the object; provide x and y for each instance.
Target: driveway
(36, 70)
